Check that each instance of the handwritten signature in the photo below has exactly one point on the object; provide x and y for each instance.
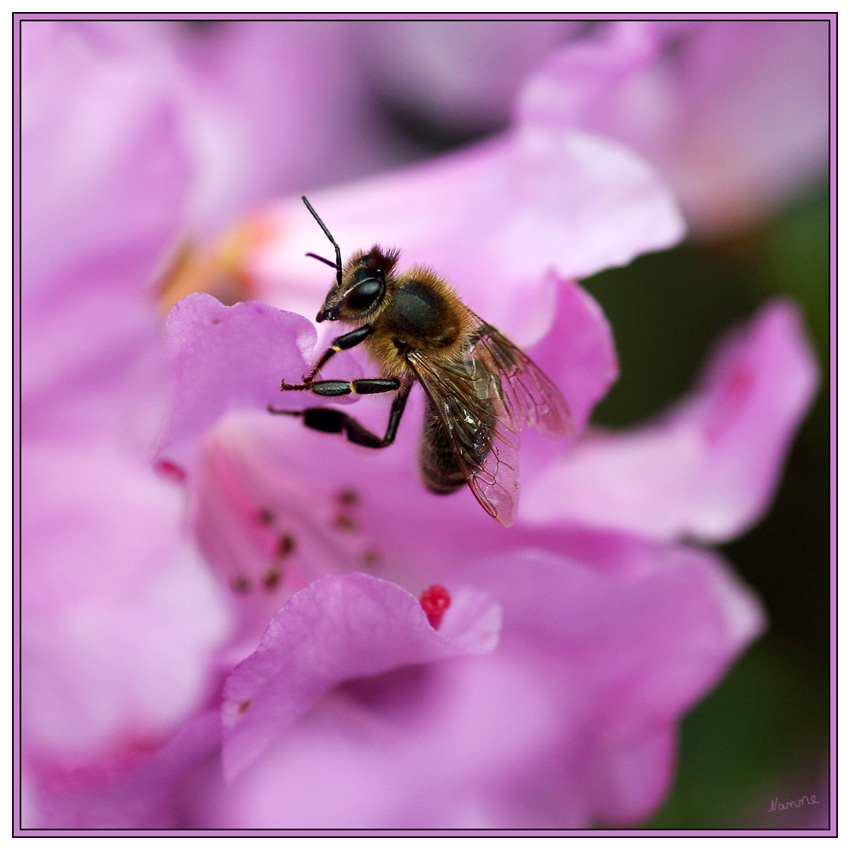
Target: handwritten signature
(805, 800)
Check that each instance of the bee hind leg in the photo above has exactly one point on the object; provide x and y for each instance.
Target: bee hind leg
(332, 420)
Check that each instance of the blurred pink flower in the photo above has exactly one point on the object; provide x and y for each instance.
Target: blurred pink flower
(459, 75)
(127, 145)
(274, 105)
(588, 707)
(706, 469)
(119, 613)
(306, 685)
(734, 114)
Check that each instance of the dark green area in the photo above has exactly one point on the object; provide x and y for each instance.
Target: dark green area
(764, 731)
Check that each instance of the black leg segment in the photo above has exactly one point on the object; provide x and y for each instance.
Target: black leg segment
(341, 343)
(332, 420)
(330, 388)
(370, 386)
(360, 386)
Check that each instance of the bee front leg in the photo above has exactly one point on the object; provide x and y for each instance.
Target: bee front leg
(332, 420)
(341, 343)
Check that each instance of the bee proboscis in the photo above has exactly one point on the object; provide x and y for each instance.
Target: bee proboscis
(480, 389)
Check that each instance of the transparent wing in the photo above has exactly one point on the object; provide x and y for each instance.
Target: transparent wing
(484, 400)
(528, 397)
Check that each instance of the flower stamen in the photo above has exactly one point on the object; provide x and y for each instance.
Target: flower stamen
(434, 601)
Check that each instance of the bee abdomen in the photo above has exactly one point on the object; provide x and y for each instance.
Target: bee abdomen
(439, 450)
(437, 463)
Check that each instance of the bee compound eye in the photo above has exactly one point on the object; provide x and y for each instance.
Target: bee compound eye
(365, 294)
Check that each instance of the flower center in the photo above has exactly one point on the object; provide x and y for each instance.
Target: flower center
(219, 269)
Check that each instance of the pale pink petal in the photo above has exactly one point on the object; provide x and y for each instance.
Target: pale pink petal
(92, 362)
(494, 220)
(104, 168)
(229, 358)
(121, 616)
(734, 114)
(339, 628)
(578, 352)
(105, 178)
(708, 468)
(262, 104)
(136, 790)
(628, 657)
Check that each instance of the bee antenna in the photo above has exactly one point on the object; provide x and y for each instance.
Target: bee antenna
(324, 260)
(327, 233)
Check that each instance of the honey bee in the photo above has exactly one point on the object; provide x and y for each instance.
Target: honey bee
(480, 389)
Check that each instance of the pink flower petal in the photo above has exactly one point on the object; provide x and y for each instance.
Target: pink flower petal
(106, 172)
(494, 220)
(106, 177)
(734, 114)
(92, 362)
(578, 352)
(710, 466)
(138, 790)
(121, 615)
(570, 721)
(339, 628)
(309, 71)
(628, 657)
(229, 358)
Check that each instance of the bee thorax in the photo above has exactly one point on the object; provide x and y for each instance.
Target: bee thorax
(420, 311)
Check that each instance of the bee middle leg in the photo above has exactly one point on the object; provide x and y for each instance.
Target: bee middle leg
(332, 420)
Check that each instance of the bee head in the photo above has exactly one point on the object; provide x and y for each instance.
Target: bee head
(360, 293)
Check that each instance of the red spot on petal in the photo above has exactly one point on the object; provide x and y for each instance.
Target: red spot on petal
(170, 470)
(244, 706)
(434, 601)
(740, 381)
(732, 399)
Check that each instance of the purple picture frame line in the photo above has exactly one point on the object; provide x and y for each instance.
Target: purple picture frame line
(17, 831)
